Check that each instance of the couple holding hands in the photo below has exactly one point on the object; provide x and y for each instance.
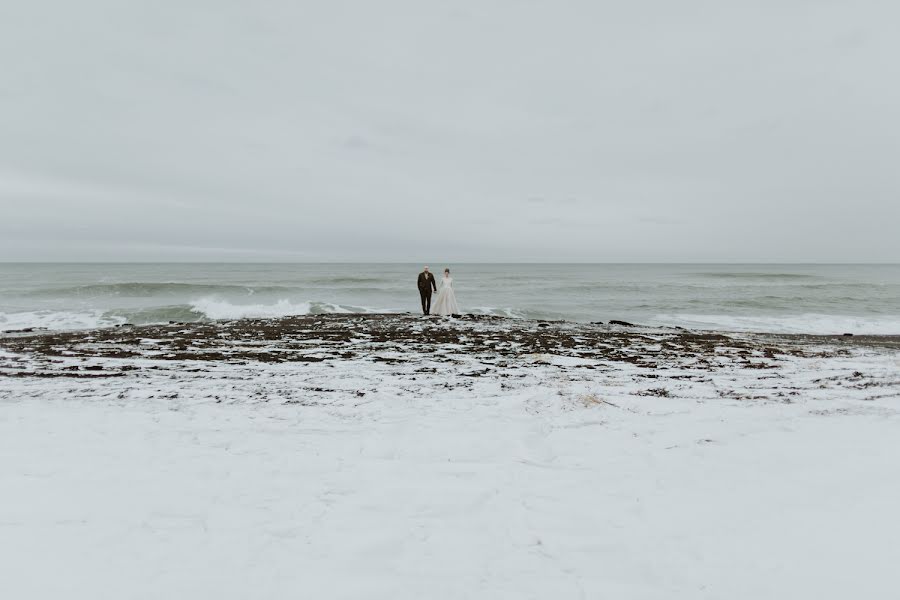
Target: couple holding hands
(445, 302)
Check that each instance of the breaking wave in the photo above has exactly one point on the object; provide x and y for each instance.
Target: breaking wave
(58, 320)
(805, 323)
(211, 309)
(215, 309)
(205, 309)
(142, 289)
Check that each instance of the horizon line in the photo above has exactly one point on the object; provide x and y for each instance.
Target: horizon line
(398, 262)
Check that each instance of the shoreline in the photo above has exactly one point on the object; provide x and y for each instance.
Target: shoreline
(389, 350)
(40, 331)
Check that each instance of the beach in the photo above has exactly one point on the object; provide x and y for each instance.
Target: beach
(449, 300)
(396, 456)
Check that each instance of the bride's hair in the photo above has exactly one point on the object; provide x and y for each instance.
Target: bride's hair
(447, 271)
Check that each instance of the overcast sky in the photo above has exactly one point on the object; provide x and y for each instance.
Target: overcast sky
(453, 130)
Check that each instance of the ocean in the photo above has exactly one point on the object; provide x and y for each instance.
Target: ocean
(790, 298)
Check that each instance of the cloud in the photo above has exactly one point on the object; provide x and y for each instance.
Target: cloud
(660, 220)
(487, 131)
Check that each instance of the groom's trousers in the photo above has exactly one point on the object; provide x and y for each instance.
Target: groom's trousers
(426, 300)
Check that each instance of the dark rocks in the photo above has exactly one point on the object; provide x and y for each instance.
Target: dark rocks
(476, 373)
(396, 339)
(388, 360)
(659, 392)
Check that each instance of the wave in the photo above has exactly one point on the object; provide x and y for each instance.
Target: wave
(810, 323)
(143, 289)
(216, 309)
(367, 280)
(755, 275)
(510, 313)
(207, 309)
(204, 309)
(159, 314)
(59, 320)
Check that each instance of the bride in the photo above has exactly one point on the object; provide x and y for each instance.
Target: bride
(445, 303)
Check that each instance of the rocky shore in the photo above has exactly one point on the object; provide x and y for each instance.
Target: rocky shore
(362, 354)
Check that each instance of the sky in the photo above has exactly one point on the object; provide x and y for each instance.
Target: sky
(489, 130)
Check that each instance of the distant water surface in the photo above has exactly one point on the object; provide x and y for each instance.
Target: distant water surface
(763, 297)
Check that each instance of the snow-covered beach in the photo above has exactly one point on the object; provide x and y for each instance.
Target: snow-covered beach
(390, 456)
(668, 360)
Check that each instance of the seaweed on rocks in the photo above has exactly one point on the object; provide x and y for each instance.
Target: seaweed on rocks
(472, 347)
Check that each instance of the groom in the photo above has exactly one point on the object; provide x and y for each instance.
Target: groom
(426, 284)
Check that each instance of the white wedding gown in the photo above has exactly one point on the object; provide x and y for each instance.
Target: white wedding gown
(445, 302)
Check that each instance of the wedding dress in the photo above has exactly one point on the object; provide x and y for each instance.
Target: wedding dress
(445, 302)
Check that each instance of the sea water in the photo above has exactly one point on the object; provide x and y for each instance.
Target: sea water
(753, 297)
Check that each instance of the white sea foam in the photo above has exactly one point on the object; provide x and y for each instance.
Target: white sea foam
(222, 309)
(204, 308)
(58, 320)
(218, 309)
(501, 312)
(806, 323)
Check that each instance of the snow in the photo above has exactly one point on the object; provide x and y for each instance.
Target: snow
(357, 479)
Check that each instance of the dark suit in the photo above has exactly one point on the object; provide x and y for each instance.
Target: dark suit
(426, 285)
